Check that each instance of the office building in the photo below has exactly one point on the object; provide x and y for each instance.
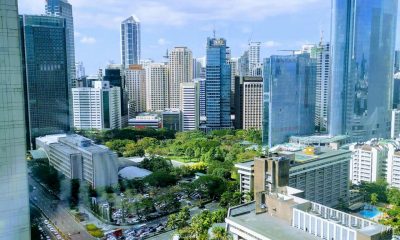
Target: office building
(180, 71)
(145, 120)
(254, 58)
(284, 213)
(363, 42)
(333, 142)
(252, 102)
(77, 157)
(395, 124)
(396, 90)
(98, 107)
(368, 161)
(218, 85)
(190, 106)
(156, 87)
(135, 83)
(243, 64)
(130, 41)
(202, 97)
(234, 63)
(171, 119)
(14, 198)
(396, 61)
(45, 75)
(199, 67)
(79, 70)
(322, 86)
(289, 97)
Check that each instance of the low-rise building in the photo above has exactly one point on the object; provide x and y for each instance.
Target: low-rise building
(171, 119)
(145, 120)
(334, 142)
(246, 176)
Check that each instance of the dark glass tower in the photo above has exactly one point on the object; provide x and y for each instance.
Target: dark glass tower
(363, 41)
(45, 75)
(218, 85)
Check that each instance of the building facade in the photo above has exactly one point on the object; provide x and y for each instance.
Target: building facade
(254, 58)
(130, 41)
(252, 102)
(135, 82)
(14, 207)
(98, 107)
(180, 71)
(363, 42)
(289, 97)
(45, 75)
(190, 106)
(395, 124)
(218, 85)
(172, 119)
(157, 87)
(322, 87)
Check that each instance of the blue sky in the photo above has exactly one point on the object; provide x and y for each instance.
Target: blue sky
(278, 24)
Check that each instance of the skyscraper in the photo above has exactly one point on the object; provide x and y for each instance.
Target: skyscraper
(135, 82)
(243, 63)
(363, 41)
(322, 86)
(79, 70)
(252, 102)
(180, 71)
(190, 106)
(199, 67)
(156, 87)
(218, 85)
(289, 97)
(45, 75)
(202, 97)
(254, 58)
(14, 207)
(130, 41)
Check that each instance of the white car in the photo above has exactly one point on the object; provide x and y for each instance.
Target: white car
(46, 221)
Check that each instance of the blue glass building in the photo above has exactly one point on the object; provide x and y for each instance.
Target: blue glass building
(363, 41)
(45, 75)
(218, 85)
(130, 41)
(289, 97)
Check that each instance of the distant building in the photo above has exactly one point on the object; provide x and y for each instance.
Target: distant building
(289, 97)
(46, 71)
(252, 102)
(77, 157)
(333, 142)
(79, 70)
(218, 85)
(190, 106)
(396, 61)
(243, 64)
(156, 87)
(199, 67)
(254, 58)
(130, 41)
(246, 176)
(180, 71)
(396, 90)
(135, 82)
(395, 124)
(322, 86)
(393, 166)
(98, 107)
(202, 97)
(171, 119)
(145, 121)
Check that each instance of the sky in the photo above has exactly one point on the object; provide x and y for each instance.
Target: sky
(278, 24)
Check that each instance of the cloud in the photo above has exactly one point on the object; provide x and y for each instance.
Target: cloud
(162, 42)
(88, 40)
(272, 44)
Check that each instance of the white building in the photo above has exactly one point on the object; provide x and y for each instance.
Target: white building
(393, 165)
(199, 67)
(368, 161)
(145, 121)
(130, 41)
(180, 71)
(78, 157)
(252, 103)
(190, 106)
(98, 107)
(254, 57)
(135, 85)
(79, 70)
(322, 86)
(156, 87)
(234, 62)
(395, 124)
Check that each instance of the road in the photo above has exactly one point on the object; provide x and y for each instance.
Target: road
(57, 212)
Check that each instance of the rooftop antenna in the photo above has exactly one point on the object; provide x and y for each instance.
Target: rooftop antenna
(214, 32)
(322, 36)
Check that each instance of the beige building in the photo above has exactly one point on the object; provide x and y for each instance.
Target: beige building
(181, 71)
(156, 87)
(252, 102)
(135, 84)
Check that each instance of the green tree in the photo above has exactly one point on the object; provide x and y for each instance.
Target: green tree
(155, 163)
(210, 186)
(229, 199)
(160, 179)
(201, 223)
(219, 215)
(179, 220)
(374, 199)
(74, 198)
(393, 195)
(219, 233)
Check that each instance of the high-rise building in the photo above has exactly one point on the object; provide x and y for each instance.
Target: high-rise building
(363, 41)
(190, 106)
(396, 90)
(98, 107)
(135, 83)
(79, 70)
(254, 57)
(199, 67)
(218, 85)
(289, 97)
(156, 87)
(234, 62)
(14, 207)
(396, 61)
(130, 41)
(395, 124)
(252, 102)
(243, 63)
(322, 86)
(45, 75)
(180, 71)
(202, 97)
(238, 102)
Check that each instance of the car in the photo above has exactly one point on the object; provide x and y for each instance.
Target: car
(34, 188)
(58, 237)
(46, 221)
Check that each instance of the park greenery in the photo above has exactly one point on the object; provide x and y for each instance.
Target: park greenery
(94, 231)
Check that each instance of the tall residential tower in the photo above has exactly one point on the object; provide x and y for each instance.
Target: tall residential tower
(130, 41)
(180, 71)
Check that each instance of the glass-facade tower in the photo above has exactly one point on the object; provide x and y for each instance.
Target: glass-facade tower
(14, 204)
(218, 85)
(289, 97)
(45, 75)
(130, 41)
(363, 41)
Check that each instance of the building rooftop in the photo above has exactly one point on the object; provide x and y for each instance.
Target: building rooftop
(64, 148)
(245, 165)
(133, 172)
(83, 143)
(324, 139)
